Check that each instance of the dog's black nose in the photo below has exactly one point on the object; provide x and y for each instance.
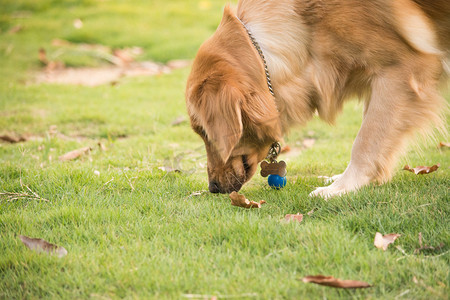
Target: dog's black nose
(214, 186)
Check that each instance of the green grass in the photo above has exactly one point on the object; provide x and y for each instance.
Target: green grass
(134, 232)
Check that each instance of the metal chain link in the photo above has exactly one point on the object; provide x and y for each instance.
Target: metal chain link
(261, 54)
(274, 151)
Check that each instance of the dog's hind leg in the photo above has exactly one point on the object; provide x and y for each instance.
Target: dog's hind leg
(402, 101)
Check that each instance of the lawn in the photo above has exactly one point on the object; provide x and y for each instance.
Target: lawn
(134, 230)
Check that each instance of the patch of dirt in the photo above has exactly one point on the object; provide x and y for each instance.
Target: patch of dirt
(122, 63)
(105, 75)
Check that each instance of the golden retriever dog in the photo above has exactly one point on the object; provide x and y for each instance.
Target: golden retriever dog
(314, 55)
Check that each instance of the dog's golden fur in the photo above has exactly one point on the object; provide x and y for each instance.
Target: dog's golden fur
(319, 53)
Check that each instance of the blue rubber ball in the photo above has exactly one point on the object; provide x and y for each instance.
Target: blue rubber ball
(276, 182)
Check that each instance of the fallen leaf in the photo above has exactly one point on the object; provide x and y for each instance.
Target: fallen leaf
(309, 213)
(285, 149)
(123, 55)
(308, 143)
(334, 282)
(178, 63)
(75, 154)
(179, 120)
(444, 145)
(77, 23)
(12, 139)
(383, 241)
(43, 56)
(15, 29)
(296, 218)
(54, 65)
(169, 169)
(241, 201)
(421, 169)
(102, 146)
(40, 245)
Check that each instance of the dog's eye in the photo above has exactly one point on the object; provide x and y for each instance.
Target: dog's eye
(245, 163)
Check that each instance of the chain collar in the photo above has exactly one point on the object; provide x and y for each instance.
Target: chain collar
(274, 151)
(261, 54)
(275, 148)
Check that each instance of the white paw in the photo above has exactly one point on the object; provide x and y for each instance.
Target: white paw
(327, 192)
(344, 183)
(331, 179)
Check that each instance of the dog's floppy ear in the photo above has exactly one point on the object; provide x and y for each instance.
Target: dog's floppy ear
(260, 108)
(218, 110)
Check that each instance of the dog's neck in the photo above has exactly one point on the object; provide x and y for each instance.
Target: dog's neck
(273, 152)
(284, 40)
(261, 54)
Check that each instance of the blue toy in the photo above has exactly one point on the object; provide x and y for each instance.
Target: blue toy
(276, 182)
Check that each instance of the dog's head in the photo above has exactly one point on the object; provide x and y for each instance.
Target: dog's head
(230, 106)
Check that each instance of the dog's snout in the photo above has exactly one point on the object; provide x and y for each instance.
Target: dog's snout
(214, 186)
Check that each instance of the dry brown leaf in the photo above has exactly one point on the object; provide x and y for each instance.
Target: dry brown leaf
(335, 282)
(43, 56)
(308, 143)
(383, 241)
(296, 218)
(40, 245)
(241, 201)
(179, 120)
(12, 139)
(102, 146)
(54, 65)
(309, 213)
(127, 55)
(123, 55)
(420, 170)
(444, 145)
(75, 154)
(285, 149)
(15, 29)
(178, 63)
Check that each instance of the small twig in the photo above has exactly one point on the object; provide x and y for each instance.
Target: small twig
(36, 195)
(129, 181)
(414, 208)
(108, 181)
(435, 256)
(197, 193)
(104, 185)
(402, 294)
(402, 251)
(16, 196)
(415, 256)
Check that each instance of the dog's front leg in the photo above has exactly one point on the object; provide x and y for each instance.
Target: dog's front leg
(394, 110)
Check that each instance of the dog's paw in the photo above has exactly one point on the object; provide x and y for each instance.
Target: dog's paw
(351, 180)
(343, 184)
(327, 192)
(328, 180)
